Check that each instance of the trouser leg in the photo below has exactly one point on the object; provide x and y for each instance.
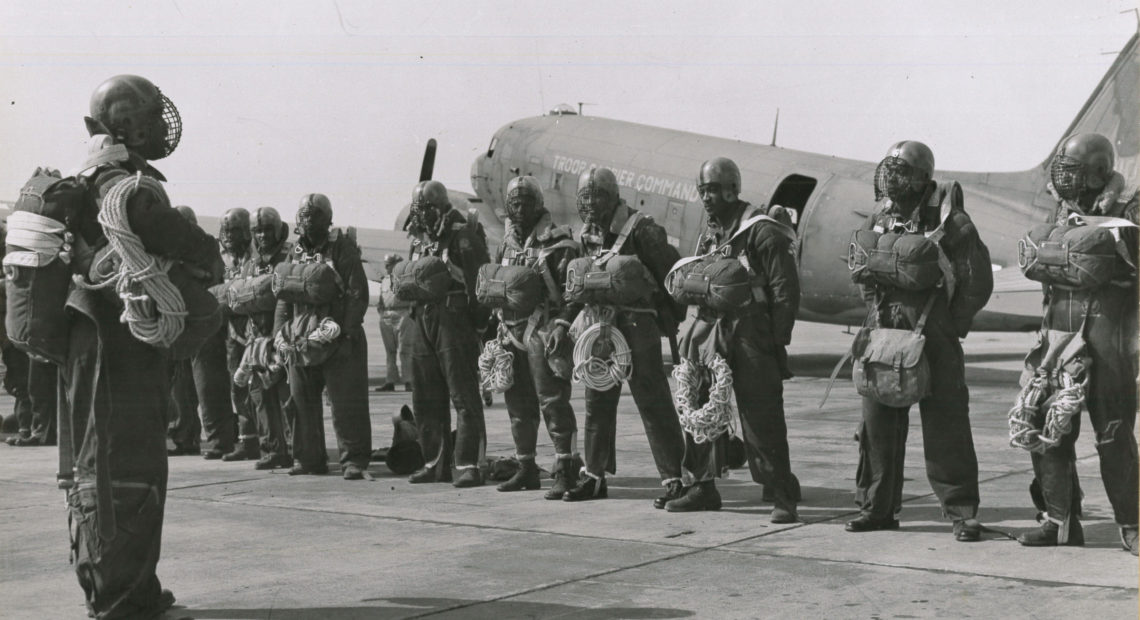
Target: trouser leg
(760, 400)
(346, 375)
(601, 431)
(128, 438)
(882, 448)
(650, 391)
(1112, 406)
(239, 396)
(430, 394)
(522, 406)
(305, 386)
(458, 354)
(212, 384)
(185, 429)
(948, 445)
(553, 399)
(1056, 473)
(17, 369)
(266, 402)
(391, 348)
(42, 380)
(406, 335)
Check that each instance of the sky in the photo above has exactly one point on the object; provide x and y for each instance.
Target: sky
(279, 99)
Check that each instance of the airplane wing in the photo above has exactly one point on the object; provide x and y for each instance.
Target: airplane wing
(1012, 281)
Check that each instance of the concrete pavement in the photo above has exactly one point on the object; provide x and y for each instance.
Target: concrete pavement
(244, 544)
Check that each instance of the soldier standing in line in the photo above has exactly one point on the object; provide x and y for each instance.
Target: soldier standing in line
(324, 343)
(541, 369)
(446, 345)
(610, 225)
(752, 340)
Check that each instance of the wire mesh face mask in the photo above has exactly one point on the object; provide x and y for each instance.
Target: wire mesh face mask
(1069, 177)
(165, 131)
(893, 179)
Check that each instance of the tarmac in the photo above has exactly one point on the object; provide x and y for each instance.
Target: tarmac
(244, 544)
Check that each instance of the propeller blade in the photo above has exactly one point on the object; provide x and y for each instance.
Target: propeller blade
(429, 161)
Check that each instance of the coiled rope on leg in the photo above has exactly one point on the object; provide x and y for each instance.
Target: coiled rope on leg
(496, 366)
(1068, 402)
(597, 372)
(1023, 432)
(154, 310)
(709, 421)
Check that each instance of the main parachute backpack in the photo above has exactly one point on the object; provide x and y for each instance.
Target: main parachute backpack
(37, 264)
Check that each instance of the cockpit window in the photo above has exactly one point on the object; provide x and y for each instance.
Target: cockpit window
(491, 149)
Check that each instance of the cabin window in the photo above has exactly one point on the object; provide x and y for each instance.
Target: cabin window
(491, 148)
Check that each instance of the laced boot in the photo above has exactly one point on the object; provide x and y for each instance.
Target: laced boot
(588, 487)
(246, 450)
(673, 490)
(700, 496)
(470, 477)
(563, 479)
(1049, 535)
(527, 477)
(430, 474)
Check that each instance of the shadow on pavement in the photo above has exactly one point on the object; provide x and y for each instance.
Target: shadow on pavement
(418, 607)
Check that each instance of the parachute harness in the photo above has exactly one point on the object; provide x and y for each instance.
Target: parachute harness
(153, 307)
(706, 422)
(602, 357)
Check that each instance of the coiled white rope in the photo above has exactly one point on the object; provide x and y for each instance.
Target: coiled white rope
(1023, 432)
(706, 422)
(496, 366)
(1067, 402)
(326, 331)
(596, 372)
(153, 309)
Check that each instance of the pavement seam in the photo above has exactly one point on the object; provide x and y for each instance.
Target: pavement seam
(441, 523)
(941, 571)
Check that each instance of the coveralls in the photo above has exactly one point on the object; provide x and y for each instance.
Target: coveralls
(445, 352)
(648, 242)
(344, 373)
(951, 463)
(753, 342)
(117, 392)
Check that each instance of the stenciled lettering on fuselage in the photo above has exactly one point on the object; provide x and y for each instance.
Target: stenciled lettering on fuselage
(649, 184)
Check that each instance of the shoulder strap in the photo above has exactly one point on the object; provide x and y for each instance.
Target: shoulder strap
(626, 230)
(925, 313)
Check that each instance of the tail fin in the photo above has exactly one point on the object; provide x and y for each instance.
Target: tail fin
(1113, 111)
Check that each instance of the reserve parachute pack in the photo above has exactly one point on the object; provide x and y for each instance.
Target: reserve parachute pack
(424, 280)
(315, 283)
(246, 296)
(1083, 253)
(717, 280)
(37, 264)
(610, 279)
(905, 261)
(711, 281)
(517, 289)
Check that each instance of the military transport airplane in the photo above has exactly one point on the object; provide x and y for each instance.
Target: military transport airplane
(656, 170)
